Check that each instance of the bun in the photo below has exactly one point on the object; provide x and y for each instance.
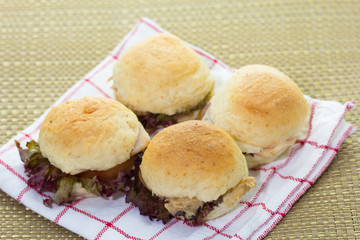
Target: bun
(193, 159)
(262, 109)
(88, 134)
(161, 75)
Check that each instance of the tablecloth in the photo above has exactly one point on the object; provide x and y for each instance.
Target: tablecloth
(45, 47)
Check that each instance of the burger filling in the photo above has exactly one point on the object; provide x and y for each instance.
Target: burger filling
(153, 122)
(258, 153)
(188, 206)
(45, 177)
(141, 142)
(164, 209)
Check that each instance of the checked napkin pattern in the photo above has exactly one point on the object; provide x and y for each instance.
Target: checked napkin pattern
(279, 184)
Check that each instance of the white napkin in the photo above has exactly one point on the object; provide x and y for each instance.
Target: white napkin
(279, 184)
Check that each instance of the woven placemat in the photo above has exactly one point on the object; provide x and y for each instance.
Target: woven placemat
(47, 46)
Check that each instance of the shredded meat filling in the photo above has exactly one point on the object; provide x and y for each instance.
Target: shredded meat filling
(187, 205)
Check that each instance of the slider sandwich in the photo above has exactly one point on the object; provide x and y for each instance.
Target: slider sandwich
(85, 149)
(163, 81)
(263, 110)
(192, 170)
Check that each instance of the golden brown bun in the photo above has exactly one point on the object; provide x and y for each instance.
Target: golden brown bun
(193, 159)
(88, 134)
(261, 108)
(161, 74)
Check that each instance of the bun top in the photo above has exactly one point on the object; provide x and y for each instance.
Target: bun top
(161, 74)
(88, 134)
(260, 107)
(192, 159)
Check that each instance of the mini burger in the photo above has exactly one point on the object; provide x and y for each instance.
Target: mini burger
(85, 149)
(192, 170)
(163, 81)
(263, 110)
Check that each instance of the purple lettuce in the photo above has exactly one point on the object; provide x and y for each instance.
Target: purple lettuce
(153, 122)
(45, 177)
(148, 204)
(42, 175)
(201, 213)
(153, 206)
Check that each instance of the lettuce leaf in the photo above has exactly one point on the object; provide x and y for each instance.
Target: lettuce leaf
(202, 212)
(45, 177)
(153, 122)
(63, 193)
(148, 204)
(107, 188)
(153, 206)
(42, 175)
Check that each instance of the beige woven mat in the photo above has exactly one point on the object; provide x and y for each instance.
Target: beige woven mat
(47, 46)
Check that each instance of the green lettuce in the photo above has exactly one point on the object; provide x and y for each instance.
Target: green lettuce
(45, 177)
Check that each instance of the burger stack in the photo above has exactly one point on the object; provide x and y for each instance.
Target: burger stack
(195, 167)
